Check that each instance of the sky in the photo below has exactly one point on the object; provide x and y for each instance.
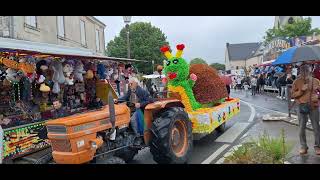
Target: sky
(204, 36)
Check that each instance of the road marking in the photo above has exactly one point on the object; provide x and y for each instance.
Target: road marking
(253, 111)
(215, 154)
(294, 116)
(232, 133)
(234, 148)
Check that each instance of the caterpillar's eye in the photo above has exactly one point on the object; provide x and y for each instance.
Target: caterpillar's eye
(175, 61)
(168, 63)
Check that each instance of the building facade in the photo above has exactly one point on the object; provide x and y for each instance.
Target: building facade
(73, 31)
(238, 56)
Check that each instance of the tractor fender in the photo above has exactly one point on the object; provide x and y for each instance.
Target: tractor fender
(164, 104)
(156, 106)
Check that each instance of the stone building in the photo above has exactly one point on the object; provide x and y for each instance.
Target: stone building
(74, 31)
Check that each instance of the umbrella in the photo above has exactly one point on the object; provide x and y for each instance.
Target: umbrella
(226, 79)
(298, 54)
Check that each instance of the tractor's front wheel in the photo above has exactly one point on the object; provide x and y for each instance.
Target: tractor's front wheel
(172, 137)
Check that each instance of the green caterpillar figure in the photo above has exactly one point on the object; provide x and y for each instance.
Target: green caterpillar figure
(182, 82)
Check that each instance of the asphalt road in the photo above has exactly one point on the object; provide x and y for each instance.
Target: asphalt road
(212, 147)
(246, 125)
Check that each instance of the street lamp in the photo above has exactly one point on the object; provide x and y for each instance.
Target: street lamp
(127, 20)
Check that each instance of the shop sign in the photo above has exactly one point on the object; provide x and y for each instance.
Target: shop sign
(277, 45)
(25, 139)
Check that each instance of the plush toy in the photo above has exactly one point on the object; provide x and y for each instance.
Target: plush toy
(70, 80)
(79, 71)
(68, 70)
(27, 68)
(11, 75)
(3, 75)
(58, 77)
(89, 74)
(44, 88)
(41, 66)
(101, 71)
(89, 68)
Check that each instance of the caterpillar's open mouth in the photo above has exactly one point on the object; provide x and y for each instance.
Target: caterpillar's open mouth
(172, 75)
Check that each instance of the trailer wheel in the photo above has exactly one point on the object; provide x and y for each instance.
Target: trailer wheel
(221, 128)
(172, 137)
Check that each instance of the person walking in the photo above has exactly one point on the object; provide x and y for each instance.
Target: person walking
(304, 91)
(283, 85)
(261, 83)
(239, 83)
(253, 85)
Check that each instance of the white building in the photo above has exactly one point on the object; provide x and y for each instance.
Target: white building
(74, 31)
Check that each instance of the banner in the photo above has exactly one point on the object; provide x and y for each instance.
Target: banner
(24, 139)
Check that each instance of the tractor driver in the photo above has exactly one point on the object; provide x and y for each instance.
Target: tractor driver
(139, 97)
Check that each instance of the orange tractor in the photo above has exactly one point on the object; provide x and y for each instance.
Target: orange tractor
(106, 134)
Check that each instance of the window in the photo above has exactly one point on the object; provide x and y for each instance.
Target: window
(97, 40)
(60, 25)
(83, 33)
(31, 21)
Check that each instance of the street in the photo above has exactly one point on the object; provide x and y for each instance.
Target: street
(245, 126)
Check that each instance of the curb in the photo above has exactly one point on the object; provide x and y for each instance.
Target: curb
(293, 120)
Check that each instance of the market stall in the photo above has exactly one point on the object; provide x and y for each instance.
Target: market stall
(40, 86)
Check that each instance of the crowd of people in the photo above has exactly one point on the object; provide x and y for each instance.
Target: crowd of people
(256, 83)
(304, 90)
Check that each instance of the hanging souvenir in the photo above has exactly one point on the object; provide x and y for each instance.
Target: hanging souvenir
(79, 71)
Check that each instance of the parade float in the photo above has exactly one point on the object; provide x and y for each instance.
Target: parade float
(201, 91)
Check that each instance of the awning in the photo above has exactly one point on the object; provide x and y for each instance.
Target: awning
(267, 63)
(37, 48)
(153, 76)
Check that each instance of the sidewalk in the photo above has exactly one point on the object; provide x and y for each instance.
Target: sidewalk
(270, 102)
(274, 122)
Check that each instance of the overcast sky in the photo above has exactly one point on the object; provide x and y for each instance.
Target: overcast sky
(204, 36)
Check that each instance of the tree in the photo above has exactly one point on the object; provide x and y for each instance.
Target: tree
(218, 66)
(145, 43)
(198, 61)
(295, 29)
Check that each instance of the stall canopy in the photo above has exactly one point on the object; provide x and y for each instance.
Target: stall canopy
(45, 49)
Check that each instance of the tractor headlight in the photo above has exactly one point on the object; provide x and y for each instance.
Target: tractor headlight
(94, 145)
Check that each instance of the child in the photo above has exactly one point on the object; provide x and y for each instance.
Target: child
(246, 88)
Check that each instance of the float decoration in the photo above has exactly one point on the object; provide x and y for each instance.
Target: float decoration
(201, 91)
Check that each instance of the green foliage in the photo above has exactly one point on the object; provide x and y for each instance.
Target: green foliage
(297, 28)
(218, 66)
(265, 150)
(198, 61)
(180, 68)
(145, 42)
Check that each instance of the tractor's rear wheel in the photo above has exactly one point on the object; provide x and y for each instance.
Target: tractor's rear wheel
(172, 137)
